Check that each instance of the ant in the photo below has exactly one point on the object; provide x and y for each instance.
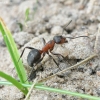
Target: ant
(35, 56)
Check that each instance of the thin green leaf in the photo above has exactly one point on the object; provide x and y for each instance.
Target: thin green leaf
(27, 14)
(14, 82)
(25, 85)
(13, 51)
(67, 92)
(42, 87)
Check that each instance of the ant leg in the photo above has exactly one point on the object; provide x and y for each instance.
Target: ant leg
(23, 52)
(44, 42)
(33, 71)
(57, 54)
(61, 56)
(54, 61)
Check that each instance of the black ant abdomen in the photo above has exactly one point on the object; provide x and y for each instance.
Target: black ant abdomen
(33, 56)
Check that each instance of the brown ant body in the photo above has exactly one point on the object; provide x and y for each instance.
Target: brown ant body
(35, 56)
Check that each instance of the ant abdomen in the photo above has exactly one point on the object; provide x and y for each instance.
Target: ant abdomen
(33, 56)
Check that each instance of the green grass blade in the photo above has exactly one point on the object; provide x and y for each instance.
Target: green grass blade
(13, 51)
(25, 85)
(27, 14)
(67, 92)
(42, 87)
(14, 82)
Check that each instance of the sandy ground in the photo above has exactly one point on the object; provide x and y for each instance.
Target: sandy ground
(47, 19)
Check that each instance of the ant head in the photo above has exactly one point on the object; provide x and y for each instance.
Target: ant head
(59, 39)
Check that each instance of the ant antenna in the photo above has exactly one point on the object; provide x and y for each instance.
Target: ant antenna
(66, 25)
(21, 55)
(69, 22)
(23, 52)
(72, 37)
(76, 37)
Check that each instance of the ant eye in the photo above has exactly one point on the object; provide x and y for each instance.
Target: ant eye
(57, 39)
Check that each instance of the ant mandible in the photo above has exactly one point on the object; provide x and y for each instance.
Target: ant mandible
(35, 56)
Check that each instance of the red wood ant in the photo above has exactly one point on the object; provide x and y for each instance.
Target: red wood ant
(35, 56)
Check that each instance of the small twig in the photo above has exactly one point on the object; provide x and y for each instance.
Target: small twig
(35, 81)
(82, 4)
(87, 59)
(90, 6)
(97, 41)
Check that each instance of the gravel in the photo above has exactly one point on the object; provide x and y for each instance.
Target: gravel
(47, 19)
